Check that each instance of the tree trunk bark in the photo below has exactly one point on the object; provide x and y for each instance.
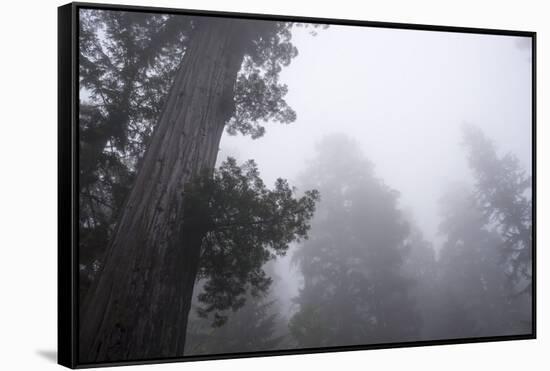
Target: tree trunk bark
(137, 308)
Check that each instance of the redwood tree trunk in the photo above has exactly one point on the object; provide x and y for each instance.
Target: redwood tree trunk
(138, 306)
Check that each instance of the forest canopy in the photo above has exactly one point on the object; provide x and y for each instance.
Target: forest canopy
(371, 216)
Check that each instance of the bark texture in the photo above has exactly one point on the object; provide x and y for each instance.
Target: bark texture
(138, 306)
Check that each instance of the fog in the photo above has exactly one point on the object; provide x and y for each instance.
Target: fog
(389, 199)
(403, 96)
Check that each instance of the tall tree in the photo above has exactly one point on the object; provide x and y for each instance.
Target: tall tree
(474, 292)
(420, 267)
(228, 77)
(126, 63)
(503, 191)
(355, 290)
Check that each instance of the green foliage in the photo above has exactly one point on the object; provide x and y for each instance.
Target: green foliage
(245, 225)
(259, 95)
(127, 61)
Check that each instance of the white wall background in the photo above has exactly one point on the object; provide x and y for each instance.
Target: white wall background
(28, 152)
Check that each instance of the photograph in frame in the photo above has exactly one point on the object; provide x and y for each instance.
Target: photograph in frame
(236, 185)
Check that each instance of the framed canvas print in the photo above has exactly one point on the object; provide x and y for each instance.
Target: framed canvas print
(236, 185)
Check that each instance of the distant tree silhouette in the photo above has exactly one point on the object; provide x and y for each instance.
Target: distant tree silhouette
(474, 292)
(420, 267)
(503, 191)
(355, 290)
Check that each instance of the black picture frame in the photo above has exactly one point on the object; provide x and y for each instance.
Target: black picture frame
(68, 159)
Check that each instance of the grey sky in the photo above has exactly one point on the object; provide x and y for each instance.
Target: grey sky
(403, 95)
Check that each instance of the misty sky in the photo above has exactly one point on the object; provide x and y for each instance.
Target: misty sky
(403, 95)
